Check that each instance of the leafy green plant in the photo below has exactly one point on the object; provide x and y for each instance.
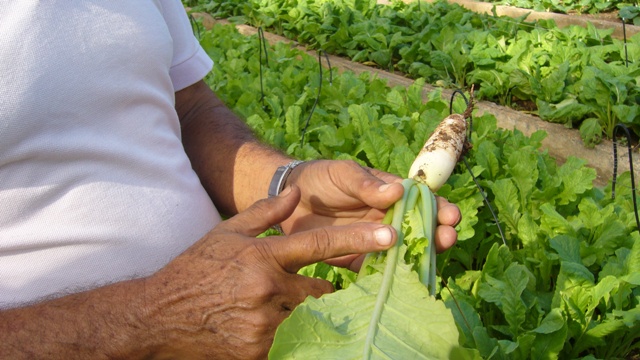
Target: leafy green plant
(509, 61)
(396, 315)
(606, 93)
(630, 13)
(565, 7)
(563, 285)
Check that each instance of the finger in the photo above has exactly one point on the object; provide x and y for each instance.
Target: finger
(448, 213)
(299, 287)
(309, 247)
(264, 213)
(352, 262)
(445, 237)
(374, 188)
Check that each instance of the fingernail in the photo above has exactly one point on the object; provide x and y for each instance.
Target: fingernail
(383, 236)
(384, 187)
(285, 191)
(459, 218)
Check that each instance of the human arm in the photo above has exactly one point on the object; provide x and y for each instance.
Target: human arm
(233, 166)
(222, 298)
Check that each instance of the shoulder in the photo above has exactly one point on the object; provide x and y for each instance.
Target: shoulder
(190, 62)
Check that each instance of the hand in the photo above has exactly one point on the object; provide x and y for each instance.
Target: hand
(224, 297)
(343, 192)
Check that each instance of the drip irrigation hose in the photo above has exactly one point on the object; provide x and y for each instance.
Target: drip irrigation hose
(466, 163)
(466, 101)
(615, 168)
(194, 26)
(624, 36)
(313, 108)
(262, 44)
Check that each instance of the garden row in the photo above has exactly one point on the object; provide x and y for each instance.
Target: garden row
(561, 142)
(614, 9)
(575, 76)
(555, 274)
(621, 30)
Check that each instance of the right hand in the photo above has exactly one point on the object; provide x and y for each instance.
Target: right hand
(225, 296)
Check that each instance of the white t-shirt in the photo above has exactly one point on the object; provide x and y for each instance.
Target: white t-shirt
(95, 186)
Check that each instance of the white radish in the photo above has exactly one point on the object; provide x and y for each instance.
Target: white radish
(437, 159)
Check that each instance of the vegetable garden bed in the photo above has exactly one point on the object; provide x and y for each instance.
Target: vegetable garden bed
(576, 76)
(600, 21)
(561, 142)
(554, 274)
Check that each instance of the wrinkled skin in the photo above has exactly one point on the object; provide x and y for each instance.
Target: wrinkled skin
(225, 296)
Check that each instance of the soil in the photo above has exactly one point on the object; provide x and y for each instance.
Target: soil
(608, 16)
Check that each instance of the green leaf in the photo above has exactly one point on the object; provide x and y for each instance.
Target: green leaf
(487, 156)
(597, 334)
(488, 346)
(633, 261)
(626, 114)
(551, 336)
(513, 307)
(469, 208)
(334, 327)
(564, 112)
(507, 202)
(567, 247)
(629, 12)
(591, 132)
(465, 316)
(376, 149)
(292, 120)
(507, 294)
(574, 280)
(328, 136)
(400, 161)
(396, 102)
(528, 230)
(359, 118)
(551, 323)
(524, 168)
(553, 85)
(553, 223)
(602, 290)
(576, 178)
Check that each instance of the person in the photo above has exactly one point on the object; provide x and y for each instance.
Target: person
(116, 161)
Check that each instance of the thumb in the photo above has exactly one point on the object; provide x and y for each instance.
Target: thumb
(264, 213)
(373, 187)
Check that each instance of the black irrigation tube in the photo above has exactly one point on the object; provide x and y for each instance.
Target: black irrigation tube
(262, 44)
(624, 35)
(615, 168)
(313, 108)
(466, 163)
(195, 25)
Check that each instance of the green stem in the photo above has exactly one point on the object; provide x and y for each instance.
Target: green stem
(432, 251)
(428, 212)
(410, 192)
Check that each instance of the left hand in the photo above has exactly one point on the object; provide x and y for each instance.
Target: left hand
(336, 192)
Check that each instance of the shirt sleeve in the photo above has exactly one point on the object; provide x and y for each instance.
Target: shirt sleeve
(190, 62)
